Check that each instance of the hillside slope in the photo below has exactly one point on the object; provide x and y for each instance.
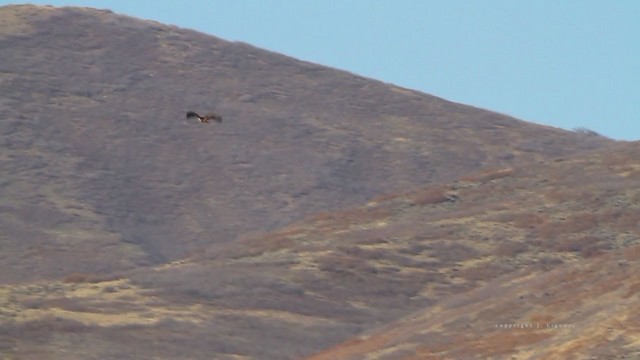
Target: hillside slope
(101, 172)
(555, 241)
(584, 310)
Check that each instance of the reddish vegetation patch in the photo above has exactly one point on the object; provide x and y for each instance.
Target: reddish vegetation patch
(632, 253)
(504, 342)
(353, 348)
(633, 290)
(441, 347)
(541, 318)
(603, 287)
(430, 196)
(621, 219)
(259, 245)
(388, 197)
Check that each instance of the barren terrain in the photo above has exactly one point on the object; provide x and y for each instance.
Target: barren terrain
(329, 215)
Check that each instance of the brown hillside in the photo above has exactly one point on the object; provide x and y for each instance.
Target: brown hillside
(554, 241)
(584, 310)
(101, 172)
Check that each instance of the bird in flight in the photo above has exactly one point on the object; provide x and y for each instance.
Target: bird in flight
(205, 118)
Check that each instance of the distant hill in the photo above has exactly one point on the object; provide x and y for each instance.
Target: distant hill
(325, 207)
(98, 158)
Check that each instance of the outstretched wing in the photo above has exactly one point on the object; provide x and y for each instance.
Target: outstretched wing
(191, 114)
(213, 116)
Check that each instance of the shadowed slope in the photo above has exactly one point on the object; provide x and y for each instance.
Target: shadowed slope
(102, 172)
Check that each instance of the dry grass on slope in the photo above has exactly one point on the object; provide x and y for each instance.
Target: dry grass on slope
(581, 310)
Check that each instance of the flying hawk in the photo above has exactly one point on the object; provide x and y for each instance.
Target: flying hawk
(206, 118)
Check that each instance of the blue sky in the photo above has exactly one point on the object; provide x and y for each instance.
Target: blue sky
(565, 63)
